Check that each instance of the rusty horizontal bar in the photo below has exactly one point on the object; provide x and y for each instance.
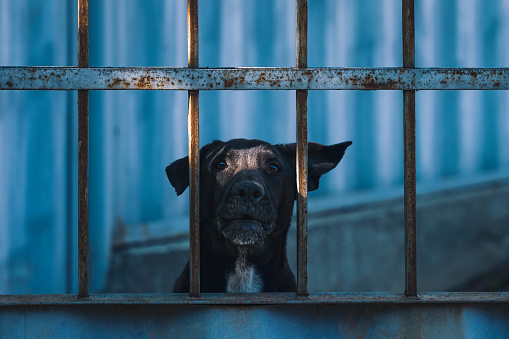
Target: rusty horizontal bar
(146, 78)
(257, 298)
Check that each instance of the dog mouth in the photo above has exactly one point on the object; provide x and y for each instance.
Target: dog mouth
(246, 230)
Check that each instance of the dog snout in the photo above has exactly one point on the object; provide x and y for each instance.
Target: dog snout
(248, 191)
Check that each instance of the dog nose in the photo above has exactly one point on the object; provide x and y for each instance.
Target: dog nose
(248, 191)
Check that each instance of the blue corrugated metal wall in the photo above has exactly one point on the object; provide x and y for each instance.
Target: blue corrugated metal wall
(134, 135)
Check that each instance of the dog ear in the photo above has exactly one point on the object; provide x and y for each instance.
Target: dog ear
(178, 174)
(178, 171)
(321, 159)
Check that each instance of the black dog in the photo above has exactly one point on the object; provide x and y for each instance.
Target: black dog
(248, 189)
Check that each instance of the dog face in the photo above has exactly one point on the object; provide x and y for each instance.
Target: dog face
(248, 189)
(247, 180)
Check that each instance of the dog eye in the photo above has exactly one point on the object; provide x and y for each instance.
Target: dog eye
(221, 165)
(273, 168)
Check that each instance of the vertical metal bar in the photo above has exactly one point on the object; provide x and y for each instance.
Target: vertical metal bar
(409, 153)
(302, 154)
(302, 34)
(194, 151)
(83, 238)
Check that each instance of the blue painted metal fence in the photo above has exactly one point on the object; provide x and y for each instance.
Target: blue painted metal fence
(134, 135)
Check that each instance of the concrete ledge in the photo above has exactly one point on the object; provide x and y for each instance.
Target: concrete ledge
(463, 232)
(259, 321)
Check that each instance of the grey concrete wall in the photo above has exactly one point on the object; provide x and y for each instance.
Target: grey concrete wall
(462, 234)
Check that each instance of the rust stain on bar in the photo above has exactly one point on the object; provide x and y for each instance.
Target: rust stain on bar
(302, 189)
(192, 34)
(302, 153)
(410, 194)
(83, 217)
(194, 152)
(302, 34)
(82, 33)
(83, 238)
(275, 78)
(408, 34)
(409, 154)
(194, 192)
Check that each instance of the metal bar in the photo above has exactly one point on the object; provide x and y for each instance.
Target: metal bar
(83, 55)
(302, 34)
(193, 60)
(194, 193)
(302, 152)
(410, 214)
(302, 192)
(194, 152)
(258, 298)
(147, 78)
(83, 221)
(408, 34)
(409, 154)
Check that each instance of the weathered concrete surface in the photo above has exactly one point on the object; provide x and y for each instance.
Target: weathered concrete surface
(261, 321)
(462, 234)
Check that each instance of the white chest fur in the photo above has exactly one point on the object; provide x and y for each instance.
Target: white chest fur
(244, 278)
